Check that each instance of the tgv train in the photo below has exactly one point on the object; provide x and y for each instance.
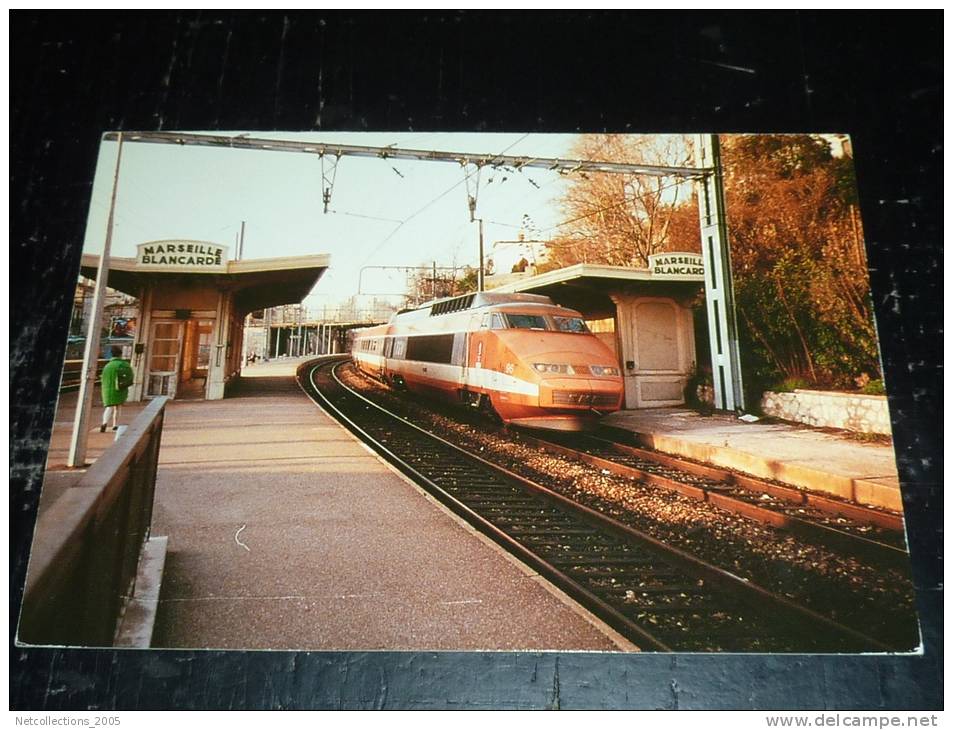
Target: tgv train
(520, 356)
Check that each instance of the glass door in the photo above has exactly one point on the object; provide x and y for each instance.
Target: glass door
(164, 350)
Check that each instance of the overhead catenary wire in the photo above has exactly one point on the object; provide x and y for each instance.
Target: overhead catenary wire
(446, 192)
(410, 218)
(365, 217)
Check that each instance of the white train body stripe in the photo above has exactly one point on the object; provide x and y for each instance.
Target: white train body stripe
(475, 377)
(495, 380)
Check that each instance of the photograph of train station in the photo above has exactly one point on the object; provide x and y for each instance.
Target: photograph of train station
(472, 392)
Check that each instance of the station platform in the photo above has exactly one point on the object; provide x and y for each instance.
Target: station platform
(285, 532)
(811, 458)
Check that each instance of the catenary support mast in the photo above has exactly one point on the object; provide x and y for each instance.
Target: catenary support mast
(719, 291)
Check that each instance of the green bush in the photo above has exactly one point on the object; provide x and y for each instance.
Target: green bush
(874, 387)
(789, 385)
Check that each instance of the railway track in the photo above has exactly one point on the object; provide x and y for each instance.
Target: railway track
(659, 597)
(871, 535)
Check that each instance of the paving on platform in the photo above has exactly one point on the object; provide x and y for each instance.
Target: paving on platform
(285, 532)
(811, 458)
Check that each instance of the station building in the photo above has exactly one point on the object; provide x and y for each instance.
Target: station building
(646, 315)
(192, 306)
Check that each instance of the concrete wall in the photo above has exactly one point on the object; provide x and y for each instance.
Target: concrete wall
(849, 411)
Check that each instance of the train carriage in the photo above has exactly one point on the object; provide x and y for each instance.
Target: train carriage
(521, 356)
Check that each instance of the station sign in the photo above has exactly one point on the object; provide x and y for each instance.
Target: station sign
(676, 265)
(193, 256)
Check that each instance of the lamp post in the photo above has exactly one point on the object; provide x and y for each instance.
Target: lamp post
(84, 403)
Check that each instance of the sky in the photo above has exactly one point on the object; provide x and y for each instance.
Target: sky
(382, 212)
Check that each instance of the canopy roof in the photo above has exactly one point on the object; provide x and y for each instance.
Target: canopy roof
(255, 283)
(588, 287)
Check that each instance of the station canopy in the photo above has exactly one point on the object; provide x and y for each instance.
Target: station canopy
(254, 283)
(587, 287)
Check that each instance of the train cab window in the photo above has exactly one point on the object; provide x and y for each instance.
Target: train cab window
(526, 321)
(570, 324)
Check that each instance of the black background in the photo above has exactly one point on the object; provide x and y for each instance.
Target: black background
(876, 76)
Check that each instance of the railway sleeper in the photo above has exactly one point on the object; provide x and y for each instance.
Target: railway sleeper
(687, 589)
(527, 511)
(620, 559)
(531, 530)
(493, 489)
(687, 612)
(500, 503)
(532, 521)
(637, 583)
(618, 573)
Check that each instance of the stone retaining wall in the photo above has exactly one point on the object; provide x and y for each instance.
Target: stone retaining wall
(849, 411)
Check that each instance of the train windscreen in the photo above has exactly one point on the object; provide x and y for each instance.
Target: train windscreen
(526, 321)
(570, 324)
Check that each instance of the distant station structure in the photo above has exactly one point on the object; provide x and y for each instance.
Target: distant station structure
(193, 302)
(293, 331)
(644, 314)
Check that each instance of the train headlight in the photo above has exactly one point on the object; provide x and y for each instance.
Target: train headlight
(547, 367)
(603, 370)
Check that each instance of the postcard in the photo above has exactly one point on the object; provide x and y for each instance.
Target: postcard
(473, 392)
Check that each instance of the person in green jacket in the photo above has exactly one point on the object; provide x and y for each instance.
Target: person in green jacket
(116, 378)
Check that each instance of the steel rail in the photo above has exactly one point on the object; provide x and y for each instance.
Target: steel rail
(848, 542)
(735, 589)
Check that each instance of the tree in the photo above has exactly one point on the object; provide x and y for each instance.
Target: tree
(424, 286)
(799, 264)
(800, 269)
(621, 219)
